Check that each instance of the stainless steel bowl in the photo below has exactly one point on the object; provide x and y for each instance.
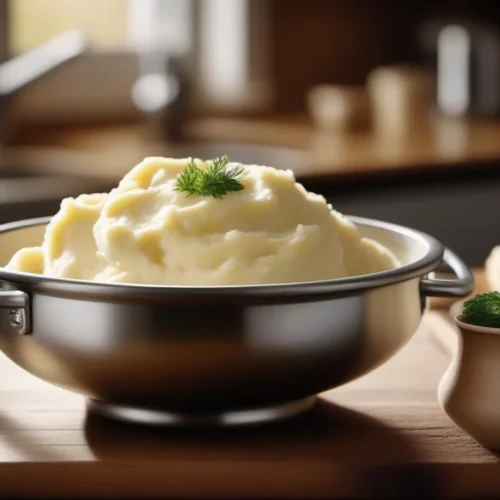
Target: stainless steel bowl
(216, 355)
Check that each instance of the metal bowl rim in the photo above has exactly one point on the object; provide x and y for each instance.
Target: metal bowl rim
(305, 290)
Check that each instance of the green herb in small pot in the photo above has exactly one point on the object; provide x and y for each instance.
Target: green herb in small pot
(483, 310)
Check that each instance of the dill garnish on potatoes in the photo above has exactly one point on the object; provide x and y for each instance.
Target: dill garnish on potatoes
(217, 180)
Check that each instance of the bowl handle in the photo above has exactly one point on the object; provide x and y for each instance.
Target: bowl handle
(461, 286)
(18, 304)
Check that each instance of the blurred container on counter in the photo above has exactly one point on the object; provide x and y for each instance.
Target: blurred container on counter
(339, 108)
(466, 59)
(402, 98)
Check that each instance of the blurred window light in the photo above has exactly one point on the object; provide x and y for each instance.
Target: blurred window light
(173, 33)
(32, 22)
(222, 45)
(107, 24)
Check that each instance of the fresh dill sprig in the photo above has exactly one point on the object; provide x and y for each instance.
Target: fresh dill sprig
(483, 310)
(188, 181)
(217, 180)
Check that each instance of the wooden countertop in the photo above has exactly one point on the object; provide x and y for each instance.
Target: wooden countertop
(448, 145)
(447, 142)
(381, 436)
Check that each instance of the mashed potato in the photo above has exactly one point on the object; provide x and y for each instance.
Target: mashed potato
(144, 231)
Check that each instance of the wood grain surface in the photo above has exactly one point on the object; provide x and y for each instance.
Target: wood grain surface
(381, 436)
(448, 145)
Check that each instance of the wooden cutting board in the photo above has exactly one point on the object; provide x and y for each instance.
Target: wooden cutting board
(381, 436)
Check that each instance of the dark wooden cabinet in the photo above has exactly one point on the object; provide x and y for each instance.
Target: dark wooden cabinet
(460, 211)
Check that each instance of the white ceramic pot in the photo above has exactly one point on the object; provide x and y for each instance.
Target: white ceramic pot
(469, 391)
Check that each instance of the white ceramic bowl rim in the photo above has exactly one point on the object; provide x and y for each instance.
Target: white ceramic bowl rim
(475, 328)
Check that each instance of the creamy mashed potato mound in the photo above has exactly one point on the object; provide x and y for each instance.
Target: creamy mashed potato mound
(144, 231)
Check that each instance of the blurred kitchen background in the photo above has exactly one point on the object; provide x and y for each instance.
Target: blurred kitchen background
(390, 109)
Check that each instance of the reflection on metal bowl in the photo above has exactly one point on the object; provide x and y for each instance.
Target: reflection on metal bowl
(216, 355)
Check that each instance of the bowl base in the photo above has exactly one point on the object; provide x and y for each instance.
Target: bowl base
(150, 416)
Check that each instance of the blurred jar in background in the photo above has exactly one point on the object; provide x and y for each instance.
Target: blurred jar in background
(339, 108)
(402, 98)
(465, 56)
